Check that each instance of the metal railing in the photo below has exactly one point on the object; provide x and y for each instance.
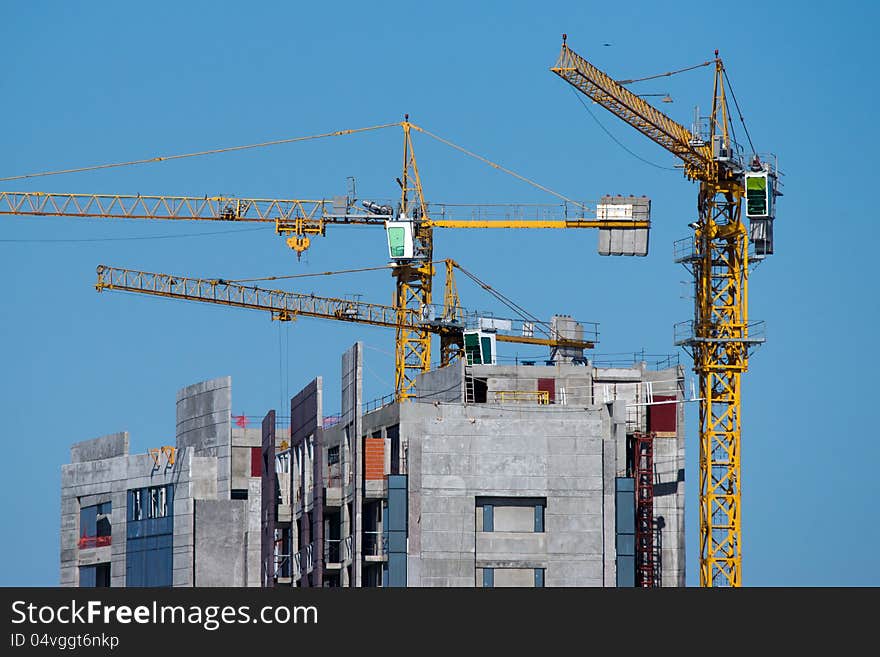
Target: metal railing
(336, 478)
(374, 544)
(684, 333)
(628, 359)
(377, 403)
(528, 396)
(333, 548)
(509, 211)
(308, 551)
(685, 249)
(93, 541)
(283, 564)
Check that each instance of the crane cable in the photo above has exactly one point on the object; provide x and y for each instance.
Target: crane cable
(275, 142)
(495, 165)
(505, 300)
(127, 239)
(742, 120)
(615, 139)
(664, 75)
(163, 158)
(522, 312)
(322, 273)
(625, 82)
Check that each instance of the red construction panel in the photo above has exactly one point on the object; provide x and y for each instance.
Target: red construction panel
(662, 417)
(256, 461)
(374, 459)
(548, 386)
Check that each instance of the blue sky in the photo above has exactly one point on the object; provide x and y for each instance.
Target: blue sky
(88, 83)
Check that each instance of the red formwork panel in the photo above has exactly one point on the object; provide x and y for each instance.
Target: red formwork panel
(374, 459)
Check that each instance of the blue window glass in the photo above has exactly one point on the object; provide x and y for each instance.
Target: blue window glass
(488, 518)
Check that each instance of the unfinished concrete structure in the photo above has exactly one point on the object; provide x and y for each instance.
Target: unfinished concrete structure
(181, 515)
(495, 475)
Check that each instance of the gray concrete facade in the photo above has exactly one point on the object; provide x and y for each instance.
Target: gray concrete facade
(553, 436)
(460, 453)
(205, 520)
(509, 474)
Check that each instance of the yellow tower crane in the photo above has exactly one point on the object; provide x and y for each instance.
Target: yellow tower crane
(720, 335)
(409, 227)
(451, 323)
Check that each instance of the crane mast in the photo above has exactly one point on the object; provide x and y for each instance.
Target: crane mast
(412, 353)
(718, 257)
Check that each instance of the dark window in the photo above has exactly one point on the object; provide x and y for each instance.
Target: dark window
(94, 525)
(488, 577)
(372, 575)
(393, 433)
(239, 494)
(481, 391)
(148, 548)
(333, 455)
(539, 578)
(148, 503)
(97, 576)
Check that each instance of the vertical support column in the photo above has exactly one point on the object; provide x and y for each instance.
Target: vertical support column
(268, 503)
(720, 350)
(318, 508)
(414, 278)
(306, 420)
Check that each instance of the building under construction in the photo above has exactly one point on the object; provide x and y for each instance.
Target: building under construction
(558, 472)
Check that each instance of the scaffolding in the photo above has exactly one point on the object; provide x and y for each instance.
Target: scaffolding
(646, 562)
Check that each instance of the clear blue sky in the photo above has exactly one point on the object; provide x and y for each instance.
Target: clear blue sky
(87, 83)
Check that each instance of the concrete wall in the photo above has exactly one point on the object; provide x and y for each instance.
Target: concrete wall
(220, 531)
(442, 385)
(97, 473)
(573, 383)
(243, 439)
(457, 453)
(105, 447)
(352, 460)
(204, 423)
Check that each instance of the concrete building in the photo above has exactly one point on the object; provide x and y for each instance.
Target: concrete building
(495, 475)
(181, 515)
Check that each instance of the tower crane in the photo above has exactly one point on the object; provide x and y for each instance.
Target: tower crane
(451, 323)
(409, 228)
(720, 335)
